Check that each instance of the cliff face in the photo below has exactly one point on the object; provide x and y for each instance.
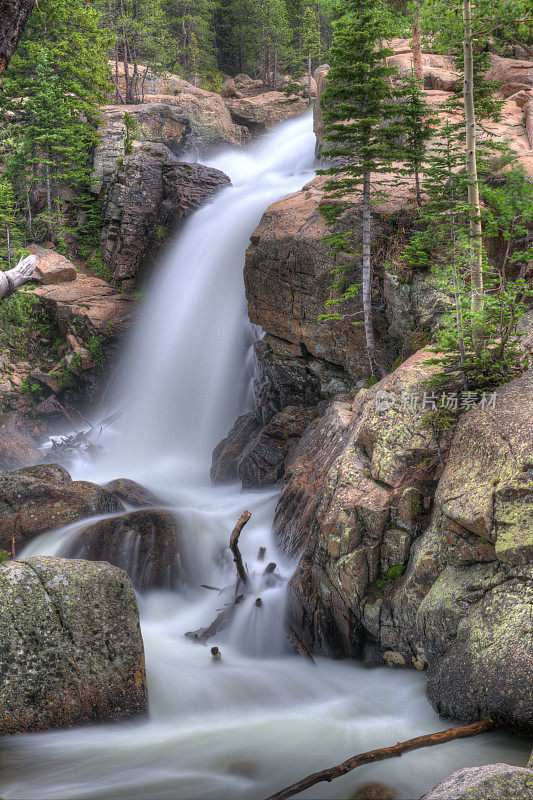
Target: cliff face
(414, 544)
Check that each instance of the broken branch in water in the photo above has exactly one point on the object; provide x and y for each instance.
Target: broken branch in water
(430, 739)
(234, 547)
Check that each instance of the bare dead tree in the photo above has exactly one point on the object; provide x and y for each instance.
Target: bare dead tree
(13, 279)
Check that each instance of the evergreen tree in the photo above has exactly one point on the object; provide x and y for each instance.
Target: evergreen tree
(418, 126)
(53, 88)
(310, 42)
(11, 238)
(360, 124)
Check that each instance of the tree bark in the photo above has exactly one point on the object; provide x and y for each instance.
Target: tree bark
(13, 18)
(417, 45)
(430, 739)
(377, 368)
(476, 242)
(14, 278)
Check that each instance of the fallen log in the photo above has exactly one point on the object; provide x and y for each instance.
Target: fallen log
(429, 740)
(13, 279)
(234, 547)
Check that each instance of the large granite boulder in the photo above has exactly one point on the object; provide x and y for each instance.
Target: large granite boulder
(71, 650)
(494, 781)
(34, 500)
(145, 203)
(146, 544)
(475, 623)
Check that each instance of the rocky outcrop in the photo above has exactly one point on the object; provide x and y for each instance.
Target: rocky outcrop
(72, 651)
(184, 123)
(257, 448)
(359, 491)
(287, 277)
(34, 500)
(145, 544)
(265, 111)
(145, 204)
(429, 563)
(494, 781)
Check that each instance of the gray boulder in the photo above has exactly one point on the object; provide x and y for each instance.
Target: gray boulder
(71, 650)
(492, 782)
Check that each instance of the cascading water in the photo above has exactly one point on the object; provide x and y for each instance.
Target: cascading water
(262, 717)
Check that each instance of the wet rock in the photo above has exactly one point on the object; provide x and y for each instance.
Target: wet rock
(284, 380)
(145, 203)
(229, 451)
(18, 447)
(39, 499)
(145, 544)
(373, 791)
(263, 462)
(71, 648)
(133, 493)
(494, 781)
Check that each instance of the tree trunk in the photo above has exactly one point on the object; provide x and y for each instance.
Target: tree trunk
(13, 18)
(275, 70)
(417, 45)
(375, 365)
(48, 182)
(309, 76)
(267, 67)
(476, 242)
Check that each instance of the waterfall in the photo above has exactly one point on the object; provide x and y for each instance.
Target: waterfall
(262, 717)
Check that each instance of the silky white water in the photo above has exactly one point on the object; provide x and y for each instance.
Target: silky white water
(262, 717)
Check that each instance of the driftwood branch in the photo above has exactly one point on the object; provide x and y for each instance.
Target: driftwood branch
(234, 547)
(13, 279)
(399, 749)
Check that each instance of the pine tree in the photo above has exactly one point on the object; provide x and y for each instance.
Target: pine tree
(11, 237)
(53, 88)
(418, 123)
(360, 124)
(310, 42)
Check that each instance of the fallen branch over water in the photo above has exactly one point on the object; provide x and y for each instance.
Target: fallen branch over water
(430, 739)
(234, 547)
